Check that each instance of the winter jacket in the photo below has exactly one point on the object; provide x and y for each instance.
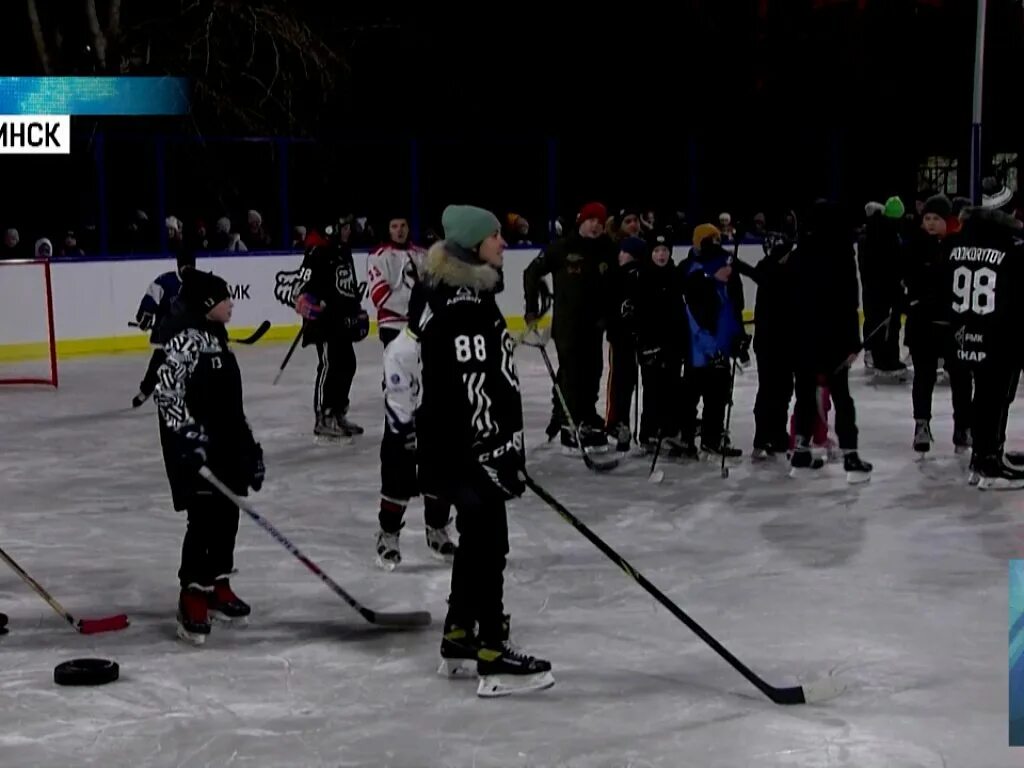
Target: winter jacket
(662, 325)
(928, 287)
(715, 325)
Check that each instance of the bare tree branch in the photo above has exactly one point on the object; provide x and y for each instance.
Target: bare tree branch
(37, 35)
(98, 38)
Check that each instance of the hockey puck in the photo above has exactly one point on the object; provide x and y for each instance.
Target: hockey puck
(86, 672)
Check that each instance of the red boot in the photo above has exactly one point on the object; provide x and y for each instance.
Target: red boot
(193, 616)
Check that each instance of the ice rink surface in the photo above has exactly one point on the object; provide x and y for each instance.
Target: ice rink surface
(898, 587)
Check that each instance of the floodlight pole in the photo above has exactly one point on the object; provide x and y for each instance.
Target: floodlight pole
(979, 65)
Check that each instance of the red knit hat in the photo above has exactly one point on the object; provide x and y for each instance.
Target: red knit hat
(592, 211)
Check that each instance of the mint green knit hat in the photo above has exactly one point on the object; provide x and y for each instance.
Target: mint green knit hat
(468, 226)
(894, 208)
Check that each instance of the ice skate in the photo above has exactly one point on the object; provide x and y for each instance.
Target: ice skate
(458, 653)
(922, 436)
(225, 606)
(346, 427)
(803, 462)
(857, 470)
(140, 398)
(193, 615)
(594, 440)
(623, 438)
(440, 543)
(388, 554)
(504, 670)
(997, 473)
(3, 623)
(893, 376)
(327, 430)
(646, 447)
(714, 452)
(763, 455)
(961, 441)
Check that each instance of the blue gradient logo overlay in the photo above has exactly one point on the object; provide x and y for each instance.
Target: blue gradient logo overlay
(1017, 653)
(96, 96)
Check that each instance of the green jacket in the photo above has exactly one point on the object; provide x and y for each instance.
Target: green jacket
(578, 267)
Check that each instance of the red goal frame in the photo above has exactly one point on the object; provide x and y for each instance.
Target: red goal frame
(51, 335)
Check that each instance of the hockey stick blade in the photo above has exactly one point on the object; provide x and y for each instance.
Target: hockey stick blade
(380, 618)
(790, 695)
(109, 624)
(256, 335)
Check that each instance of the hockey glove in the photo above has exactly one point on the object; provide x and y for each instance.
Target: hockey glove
(741, 350)
(146, 320)
(503, 465)
(192, 442)
(358, 326)
(308, 306)
(259, 471)
(650, 357)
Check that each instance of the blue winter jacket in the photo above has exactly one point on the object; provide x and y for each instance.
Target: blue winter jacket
(714, 322)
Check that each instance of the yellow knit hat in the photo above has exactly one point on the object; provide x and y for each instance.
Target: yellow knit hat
(703, 231)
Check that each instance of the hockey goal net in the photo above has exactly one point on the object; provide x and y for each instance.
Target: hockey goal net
(28, 348)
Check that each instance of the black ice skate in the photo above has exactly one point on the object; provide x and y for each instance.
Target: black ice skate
(997, 473)
(857, 470)
(714, 452)
(761, 455)
(962, 440)
(440, 542)
(681, 448)
(193, 615)
(388, 554)
(346, 427)
(458, 652)
(594, 441)
(140, 398)
(803, 462)
(327, 429)
(504, 670)
(623, 438)
(897, 375)
(3, 623)
(922, 436)
(224, 605)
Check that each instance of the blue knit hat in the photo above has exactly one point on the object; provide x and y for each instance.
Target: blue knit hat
(634, 246)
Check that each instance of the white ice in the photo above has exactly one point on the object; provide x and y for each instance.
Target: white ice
(898, 587)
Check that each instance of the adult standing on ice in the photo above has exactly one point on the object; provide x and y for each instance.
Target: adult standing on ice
(470, 429)
(202, 423)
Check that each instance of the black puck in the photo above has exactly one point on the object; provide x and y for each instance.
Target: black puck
(86, 672)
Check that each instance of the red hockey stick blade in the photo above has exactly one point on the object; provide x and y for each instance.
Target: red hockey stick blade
(109, 624)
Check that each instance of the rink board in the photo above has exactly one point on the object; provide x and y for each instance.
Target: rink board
(95, 299)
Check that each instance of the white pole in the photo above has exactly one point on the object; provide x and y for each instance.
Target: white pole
(979, 65)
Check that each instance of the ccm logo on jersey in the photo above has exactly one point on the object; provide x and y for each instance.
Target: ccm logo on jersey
(515, 444)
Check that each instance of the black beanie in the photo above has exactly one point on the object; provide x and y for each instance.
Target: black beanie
(203, 290)
(939, 205)
(662, 238)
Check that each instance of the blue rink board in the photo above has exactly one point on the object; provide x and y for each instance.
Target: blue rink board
(1016, 653)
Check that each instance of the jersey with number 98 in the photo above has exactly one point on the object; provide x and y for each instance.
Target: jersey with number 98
(986, 274)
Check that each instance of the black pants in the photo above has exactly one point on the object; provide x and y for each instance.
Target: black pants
(884, 345)
(149, 380)
(580, 366)
(995, 388)
(478, 570)
(806, 409)
(774, 393)
(622, 379)
(334, 374)
(208, 551)
(931, 342)
(712, 384)
(663, 388)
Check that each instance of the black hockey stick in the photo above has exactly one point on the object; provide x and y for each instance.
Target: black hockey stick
(728, 416)
(861, 347)
(409, 619)
(814, 692)
(255, 336)
(291, 351)
(656, 475)
(596, 466)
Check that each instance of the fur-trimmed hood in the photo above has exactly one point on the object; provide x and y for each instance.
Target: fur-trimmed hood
(991, 216)
(446, 263)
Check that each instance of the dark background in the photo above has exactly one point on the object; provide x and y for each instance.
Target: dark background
(701, 105)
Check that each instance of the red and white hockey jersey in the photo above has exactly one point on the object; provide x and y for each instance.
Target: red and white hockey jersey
(391, 273)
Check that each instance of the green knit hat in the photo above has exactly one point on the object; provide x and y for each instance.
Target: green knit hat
(894, 208)
(468, 226)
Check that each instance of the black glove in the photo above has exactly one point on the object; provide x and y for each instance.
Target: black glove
(503, 465)
(146, 320)
(741, 349)
(192, 442)
(650, 357)
(258, 469)
(358, 326)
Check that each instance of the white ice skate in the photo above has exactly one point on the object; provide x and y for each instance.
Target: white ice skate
(388, 554)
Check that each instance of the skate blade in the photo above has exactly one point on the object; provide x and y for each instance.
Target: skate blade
(716, 458)
(857, 478)
(999, 484)
(237, 622)
(457, 669)
(496, 686)
(192, 638)
(332, 440)
(799, 473)
(386, 565)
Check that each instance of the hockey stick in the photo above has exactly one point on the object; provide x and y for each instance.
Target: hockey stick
(817, 691)
(728, 415)
(656, 475)
(380, 618)
(595, 466)
(255, 336)
(291, 351)
(860, 347)
(83, 626)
